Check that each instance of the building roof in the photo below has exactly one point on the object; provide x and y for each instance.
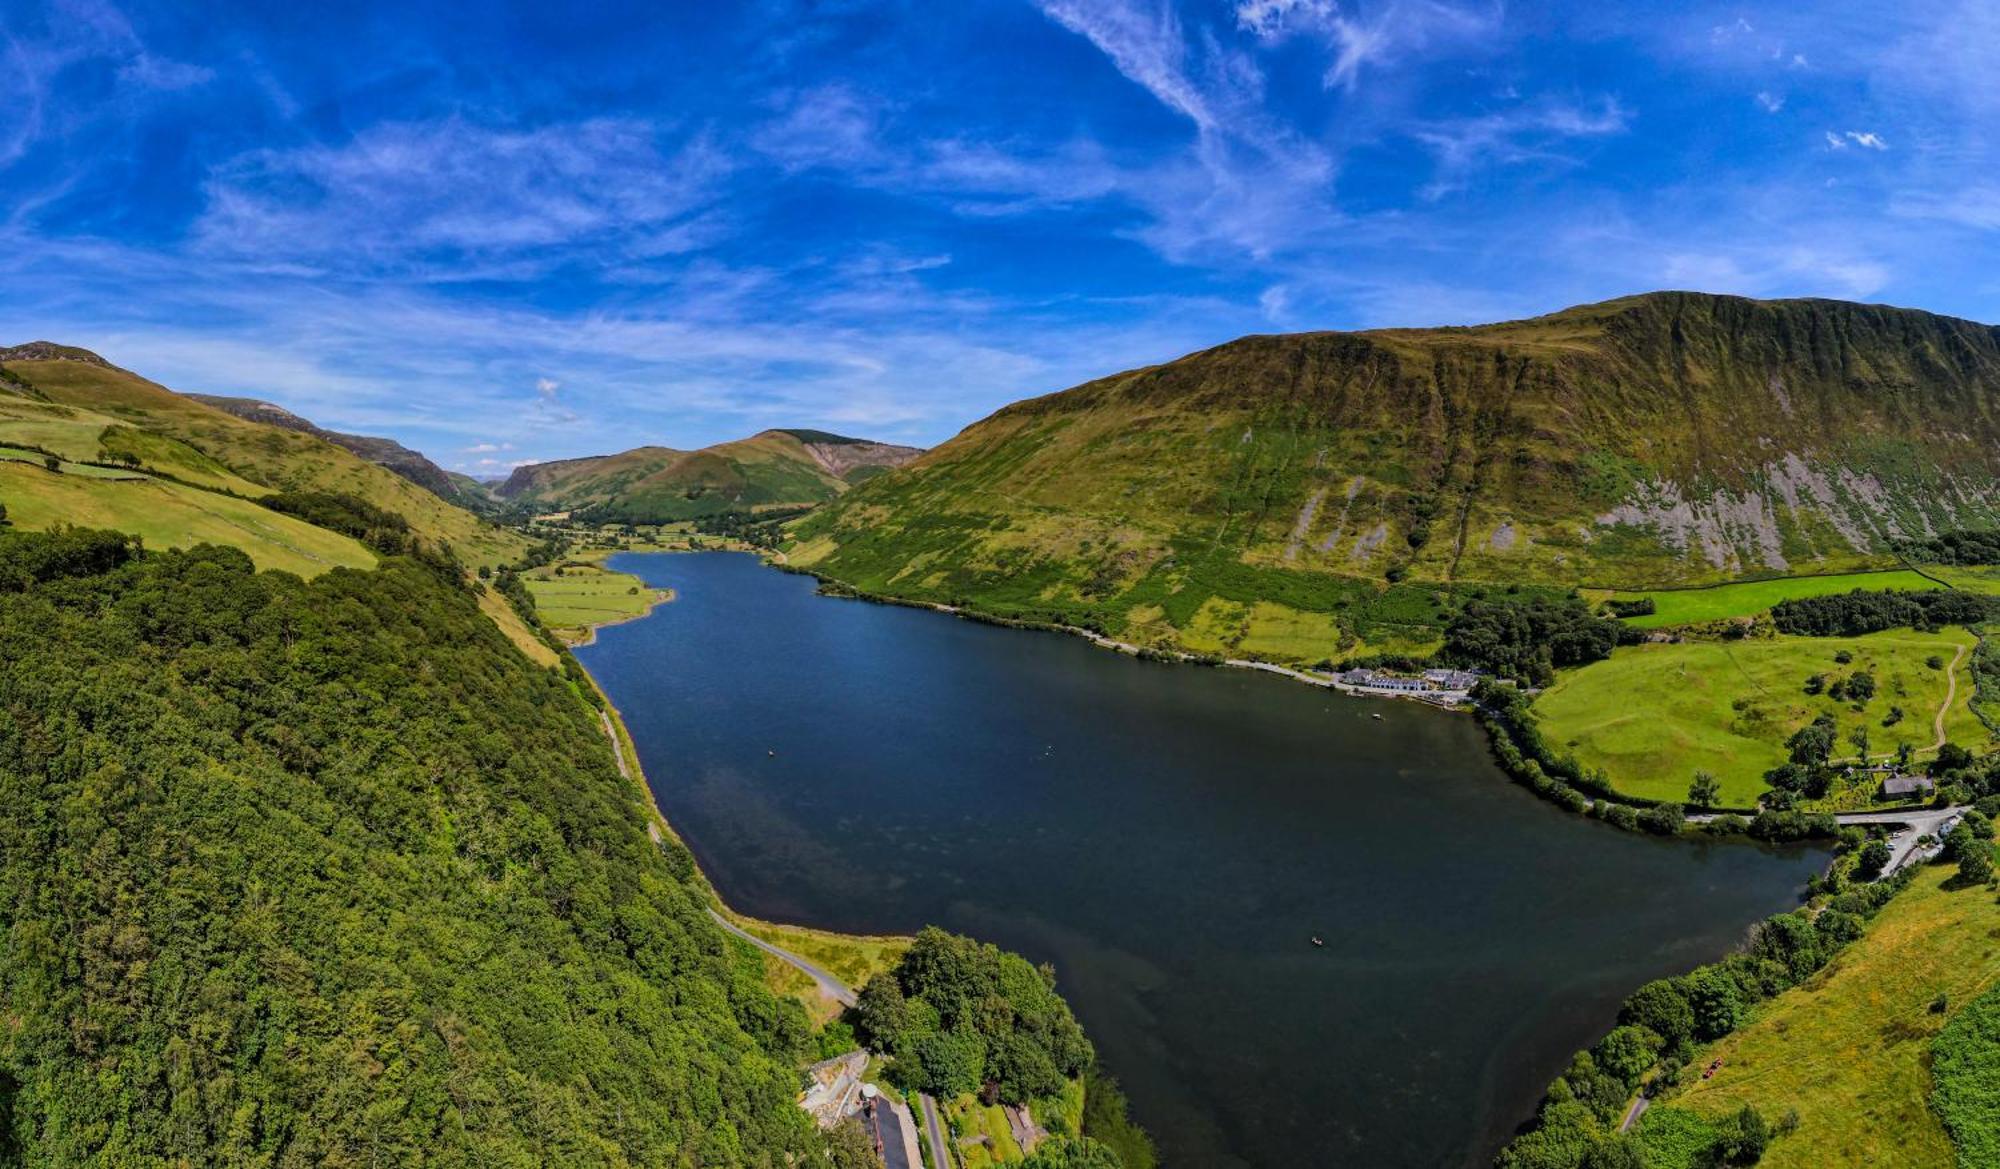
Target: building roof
(1903, 785)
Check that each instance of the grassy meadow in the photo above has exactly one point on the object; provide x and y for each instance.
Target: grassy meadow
(1971, 579)
(1748, 598)
(170, 515)
(1850, 1049)
(1652, 715)
(586, 595)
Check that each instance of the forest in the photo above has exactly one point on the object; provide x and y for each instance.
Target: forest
(327, 873)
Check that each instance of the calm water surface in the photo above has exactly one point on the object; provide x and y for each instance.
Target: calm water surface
(1170, 837)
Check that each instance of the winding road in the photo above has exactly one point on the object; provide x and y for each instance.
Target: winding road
(1950, 695)
(829, 986)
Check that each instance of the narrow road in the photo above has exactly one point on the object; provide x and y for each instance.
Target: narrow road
(1632, 1114)
(1950, 695)
(830, 986)
(934, 1133)
(617, 748)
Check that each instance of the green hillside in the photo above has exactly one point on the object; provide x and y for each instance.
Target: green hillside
(1667, 439)
(170, 515)
(649, 485)
(324, 873)
(69, 399)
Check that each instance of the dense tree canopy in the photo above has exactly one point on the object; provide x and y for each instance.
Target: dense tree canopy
(328, 873)
(1861, 611)
(1953, 548)
(1529, 638)
(958, 1015)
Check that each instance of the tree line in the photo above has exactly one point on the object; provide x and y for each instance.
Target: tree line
(1957, 547)
(1863, 611)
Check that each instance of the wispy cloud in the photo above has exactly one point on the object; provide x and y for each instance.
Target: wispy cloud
(1866, 139)
(1533, 132)
(454, 199)
(1358, 38)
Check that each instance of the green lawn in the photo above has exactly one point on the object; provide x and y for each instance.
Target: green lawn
(1850, 1049)
(585, 596)
(169, 515)
(1651, 715)
(1687, 606)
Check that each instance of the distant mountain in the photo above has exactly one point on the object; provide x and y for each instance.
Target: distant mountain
(385, 452)
(1660, 439)
(659, 484)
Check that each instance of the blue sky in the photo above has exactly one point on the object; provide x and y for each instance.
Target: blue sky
(551, 230)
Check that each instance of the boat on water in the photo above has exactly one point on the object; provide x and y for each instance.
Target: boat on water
(1377, 715)
(1316, 941)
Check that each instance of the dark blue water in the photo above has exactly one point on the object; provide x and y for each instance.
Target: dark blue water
(1170, 837)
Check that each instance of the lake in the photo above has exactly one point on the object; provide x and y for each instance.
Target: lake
(1171, 838)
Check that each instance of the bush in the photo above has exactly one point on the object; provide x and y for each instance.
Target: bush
(1663, 820)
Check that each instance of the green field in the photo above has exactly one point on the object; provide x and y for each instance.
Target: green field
(586, 595)
(1850, 1049)
(1747, 598)
(1981, 579)
(169, 515)
(1652, 715)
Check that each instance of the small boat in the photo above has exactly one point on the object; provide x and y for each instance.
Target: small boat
(773, 752)
(1377, 716)
(1316, 941)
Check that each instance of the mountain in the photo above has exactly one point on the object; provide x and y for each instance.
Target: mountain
(386, 452)
(1669, 438)
(74, 404)
(652, 484)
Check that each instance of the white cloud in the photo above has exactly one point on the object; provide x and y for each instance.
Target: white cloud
(1144, 42)
(547, 387)
(1772, 102)
(1526, 133)
(1869, 139)
(450, 199)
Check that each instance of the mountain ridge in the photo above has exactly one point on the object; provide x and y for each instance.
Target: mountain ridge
(1663, 438)
(380, 450)
(652, 484)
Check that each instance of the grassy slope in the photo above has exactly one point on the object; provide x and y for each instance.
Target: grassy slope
(584, 597)
(1850, 1048)
(1489, 454)
(169, 515)
(1653, 714)
(267, 455)
(852, 958)
(1747, 598)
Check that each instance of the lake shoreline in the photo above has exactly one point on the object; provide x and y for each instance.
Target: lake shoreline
(778, 888)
